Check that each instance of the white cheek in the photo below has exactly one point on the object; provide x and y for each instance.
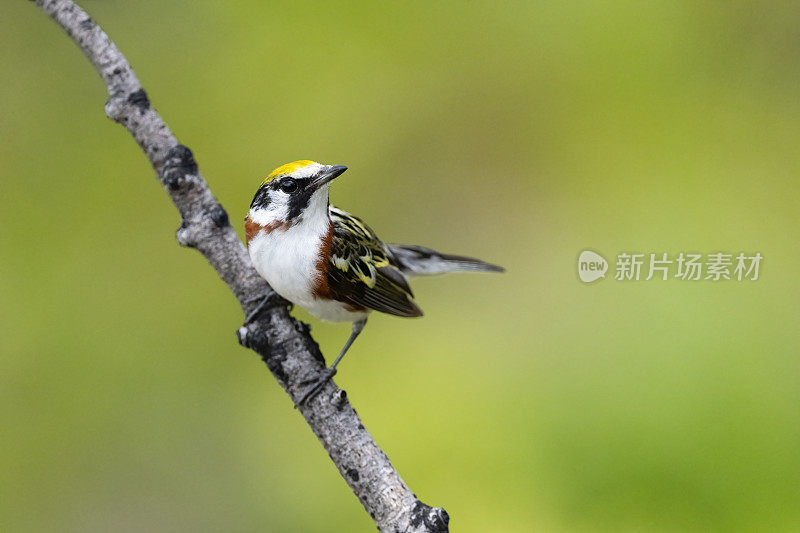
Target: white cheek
(274, 212)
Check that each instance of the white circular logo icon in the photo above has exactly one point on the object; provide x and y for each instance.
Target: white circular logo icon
(591, 266)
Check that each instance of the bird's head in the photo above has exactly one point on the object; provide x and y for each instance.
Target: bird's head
(293, 192)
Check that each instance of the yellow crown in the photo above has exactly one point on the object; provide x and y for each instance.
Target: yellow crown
(288, 168)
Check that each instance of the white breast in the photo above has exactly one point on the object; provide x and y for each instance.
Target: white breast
(288, 258)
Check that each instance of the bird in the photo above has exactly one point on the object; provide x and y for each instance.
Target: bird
(330, 262)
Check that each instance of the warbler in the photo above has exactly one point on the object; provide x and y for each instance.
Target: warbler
(330, 262)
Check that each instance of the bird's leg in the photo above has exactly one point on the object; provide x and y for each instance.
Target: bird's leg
(357, 328)
(270, 296)
(329, 372)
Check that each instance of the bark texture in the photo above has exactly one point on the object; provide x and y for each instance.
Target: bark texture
(283, 343)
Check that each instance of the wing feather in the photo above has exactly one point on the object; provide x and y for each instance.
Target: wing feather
(361, 272)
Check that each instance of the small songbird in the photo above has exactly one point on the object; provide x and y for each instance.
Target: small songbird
(329, 262)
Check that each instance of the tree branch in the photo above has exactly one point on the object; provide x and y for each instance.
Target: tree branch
(283, 343)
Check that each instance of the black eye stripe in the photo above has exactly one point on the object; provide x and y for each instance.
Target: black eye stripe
(300, 198)
(297, 200)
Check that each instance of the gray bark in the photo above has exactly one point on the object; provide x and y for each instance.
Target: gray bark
(285, 345)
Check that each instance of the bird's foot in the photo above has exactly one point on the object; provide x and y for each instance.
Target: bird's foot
(270, 299)
(325, 377)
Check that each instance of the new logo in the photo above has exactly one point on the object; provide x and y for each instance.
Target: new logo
(591, 266)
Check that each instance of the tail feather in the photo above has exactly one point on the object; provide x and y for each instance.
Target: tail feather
(417, 261)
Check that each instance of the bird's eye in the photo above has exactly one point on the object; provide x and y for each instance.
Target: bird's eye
(288, 185)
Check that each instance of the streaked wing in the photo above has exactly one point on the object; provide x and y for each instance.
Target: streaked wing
(361, 272)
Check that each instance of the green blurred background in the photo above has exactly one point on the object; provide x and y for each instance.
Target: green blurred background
(519, 132)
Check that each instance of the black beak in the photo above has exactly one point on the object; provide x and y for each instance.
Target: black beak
(328, 174)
